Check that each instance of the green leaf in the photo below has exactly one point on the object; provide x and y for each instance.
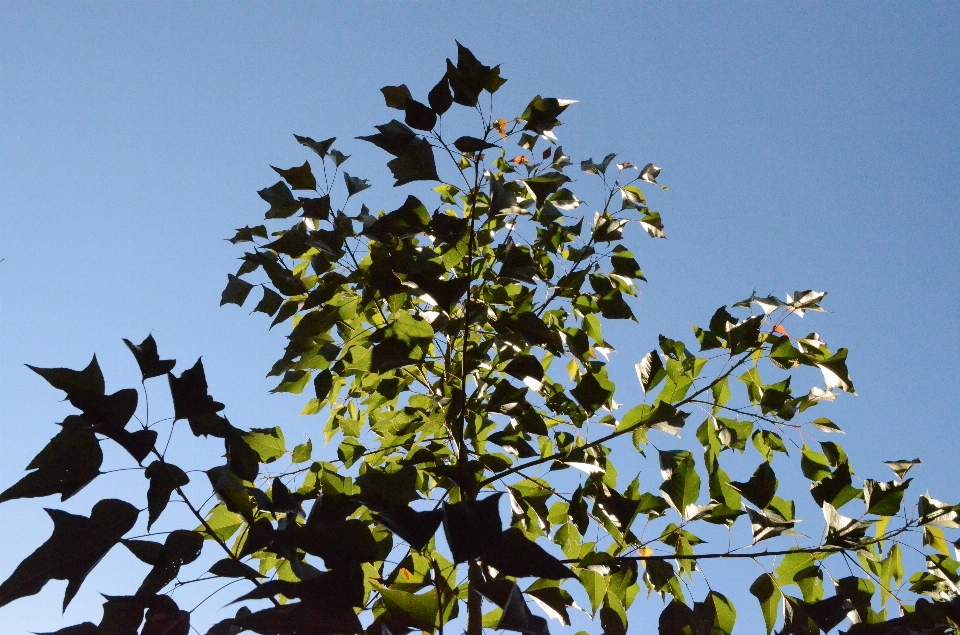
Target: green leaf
(148, 359)
(716, 615)
(76, 546)
(320, 147)
(650, 371)
(302, 452)
(299, 178)
(236, 291)
(593, 391)
(294, 381)
(222, 522)
(282, 202)
(901, 467)
(595, 585)
(419, 611)
(764, 589)
(884, 499)
(268, 443)
(842, 531)
(936, 513)
(835, 373)
(681, 483)
(164, 479)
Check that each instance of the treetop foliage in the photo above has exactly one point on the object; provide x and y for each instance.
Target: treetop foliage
(457, 362)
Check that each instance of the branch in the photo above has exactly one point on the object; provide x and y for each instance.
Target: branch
(729, 554)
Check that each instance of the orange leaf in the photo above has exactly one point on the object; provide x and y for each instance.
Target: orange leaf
(520, 160)
(405, 573)
(500, 125)
(778, 329)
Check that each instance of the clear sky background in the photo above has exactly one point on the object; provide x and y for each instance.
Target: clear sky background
(807, 146)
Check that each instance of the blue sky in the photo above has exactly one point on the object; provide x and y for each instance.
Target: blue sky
(806, 145)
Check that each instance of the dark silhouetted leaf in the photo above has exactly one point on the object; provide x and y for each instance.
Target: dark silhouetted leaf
(87, 628)
(447, 228)
(472, 527)
(320, 147)
(282, 202)
(394, 137)
(676, 619)
(415, 163)
(419, 116)
(164, 617)
(76, 546)
(88, 381)
(541, 113)
(761, 487)
(338, 157)
(396, 96)
(70, 461)
(164, 479)
(355, 184)
(517, 616)
(515, 555)
(593, 391)
(440, 97)
(231, 568)
(318, 208)
(270, 303)
(472, 144)
(189, 393)
(413, 527)
(409, 219)
(148, 359)
(236, 291)
(300, 178)
(181, 547)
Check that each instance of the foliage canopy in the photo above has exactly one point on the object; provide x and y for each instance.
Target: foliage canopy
(458, 357)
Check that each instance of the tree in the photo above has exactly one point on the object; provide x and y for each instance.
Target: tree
(434, 344)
